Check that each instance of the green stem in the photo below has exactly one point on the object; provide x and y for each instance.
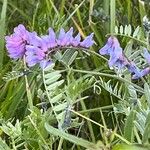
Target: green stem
(111, 76)
(60, 143)
(29, 95)
(95, 109)
(89, 123)
(47, 93)
(13, 144)
(38, 132)
(117, 135)
(106, 10)
(112, 15)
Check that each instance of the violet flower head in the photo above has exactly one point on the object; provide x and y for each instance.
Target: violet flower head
(88, 41)
(113, 49)
(16, 42)
(147, 56)
(111, 46)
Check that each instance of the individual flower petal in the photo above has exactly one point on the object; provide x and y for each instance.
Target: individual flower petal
(134, 69)
(115, 56)
(60, 37)
(50, 39)
(76, 41)
(88, 41)
(147, 56)
(64, 39)
(16, 42)
(34, 55)
(111, 45)
(45, 63)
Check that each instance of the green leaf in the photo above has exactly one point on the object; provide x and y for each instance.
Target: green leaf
(116, 29)
(129, 147)
(69, 137)
(147, 93)
(129, 125)
(121, 29)
(146, 134)
(2, 31)
(3, 145)
(135, 33)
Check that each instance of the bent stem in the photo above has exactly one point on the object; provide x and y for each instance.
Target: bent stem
(139, 89)
(29, 95)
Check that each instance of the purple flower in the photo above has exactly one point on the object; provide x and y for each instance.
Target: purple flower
(147, 56)
(50, 39)
(76, 41)
(144, 72)
(36, 50)
(117, 57)
(113, 49)
(111, 46)
(88, 41)
(45, 63)
(65, 39)
(134, 69)
(16, 42)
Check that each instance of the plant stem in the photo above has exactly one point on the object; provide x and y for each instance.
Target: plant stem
(29, 95)
(112, 15)
(38, 132)
(88, 123)
(117, 135)
(60, 143)
(95, 109)
(111, 76)
(106, 10)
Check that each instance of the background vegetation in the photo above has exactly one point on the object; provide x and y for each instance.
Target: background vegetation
(87, 105)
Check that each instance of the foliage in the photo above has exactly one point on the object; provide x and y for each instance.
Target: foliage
(77, 102)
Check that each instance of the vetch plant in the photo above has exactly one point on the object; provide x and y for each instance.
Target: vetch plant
(36, 49)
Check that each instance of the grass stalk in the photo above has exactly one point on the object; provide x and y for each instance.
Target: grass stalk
(2, 32)
(112, 15)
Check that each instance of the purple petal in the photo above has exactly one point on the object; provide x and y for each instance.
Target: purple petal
(88, 41)
(45, 63)
(147, 56)
(144, 72)
(76, 41)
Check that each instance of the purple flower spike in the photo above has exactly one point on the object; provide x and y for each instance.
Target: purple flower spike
(88, 41)
(144, 72)
(147, 56)
(16, 42)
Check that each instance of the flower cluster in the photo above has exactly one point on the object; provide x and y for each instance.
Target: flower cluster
(117, 57)
(35, 49)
